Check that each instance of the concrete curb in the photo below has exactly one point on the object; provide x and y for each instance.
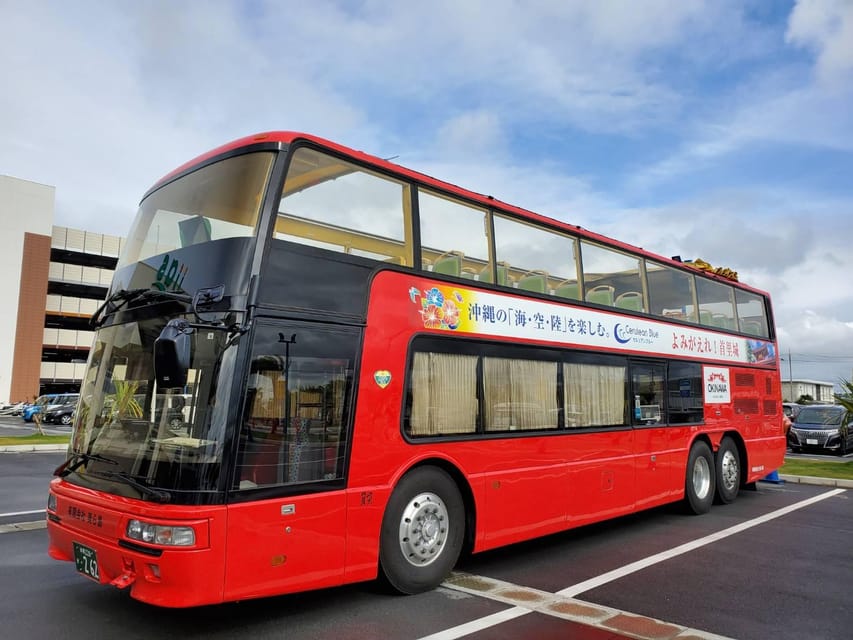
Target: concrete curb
(823, 482)
(32, 448)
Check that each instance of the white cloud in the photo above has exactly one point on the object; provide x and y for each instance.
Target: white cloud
(825, 26)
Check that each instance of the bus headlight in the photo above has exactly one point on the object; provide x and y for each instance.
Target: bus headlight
(166, 535)
(51, 502)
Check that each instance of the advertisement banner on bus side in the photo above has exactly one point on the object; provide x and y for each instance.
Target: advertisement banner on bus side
(462, 310)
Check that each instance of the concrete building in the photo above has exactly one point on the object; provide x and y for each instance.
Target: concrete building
(54, 279)
(792, 390)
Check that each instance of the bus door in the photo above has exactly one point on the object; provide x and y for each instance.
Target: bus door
(651, 436)
(287, 513)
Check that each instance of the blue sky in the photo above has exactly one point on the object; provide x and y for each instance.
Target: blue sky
(717, 129)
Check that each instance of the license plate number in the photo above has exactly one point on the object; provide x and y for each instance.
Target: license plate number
(86, 561)
(811, 441)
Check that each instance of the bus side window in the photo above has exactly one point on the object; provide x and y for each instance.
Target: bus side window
(443, 221)
(297, 406)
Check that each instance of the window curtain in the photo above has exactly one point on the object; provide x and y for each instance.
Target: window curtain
(520, 394)
(595, 395)
(444, 394)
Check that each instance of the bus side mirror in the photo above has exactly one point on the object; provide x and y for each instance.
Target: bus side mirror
(172, 351)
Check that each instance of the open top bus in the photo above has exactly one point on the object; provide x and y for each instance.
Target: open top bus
(317, 367)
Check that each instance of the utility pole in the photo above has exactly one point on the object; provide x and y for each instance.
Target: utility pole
(790, 377)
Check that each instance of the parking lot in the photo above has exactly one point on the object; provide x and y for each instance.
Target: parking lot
(776, 563)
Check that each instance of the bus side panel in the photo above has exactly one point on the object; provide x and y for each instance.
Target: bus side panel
(601, 477)
(657, 450)
(521, 500)
(284, 545)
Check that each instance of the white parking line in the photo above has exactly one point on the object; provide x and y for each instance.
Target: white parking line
(571, 591)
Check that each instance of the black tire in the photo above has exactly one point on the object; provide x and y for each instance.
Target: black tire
(422, 531)
(727, 471)
(699, 480)
(65, 419)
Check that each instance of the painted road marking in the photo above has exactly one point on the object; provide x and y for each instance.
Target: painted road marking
(562, 604)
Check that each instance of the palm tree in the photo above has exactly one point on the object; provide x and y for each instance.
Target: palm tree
(124, 403)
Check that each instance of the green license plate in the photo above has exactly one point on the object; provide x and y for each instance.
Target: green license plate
(87, 561)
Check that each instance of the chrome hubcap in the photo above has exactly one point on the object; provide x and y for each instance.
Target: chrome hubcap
(423, 529)
(729, 468)
(701, 478)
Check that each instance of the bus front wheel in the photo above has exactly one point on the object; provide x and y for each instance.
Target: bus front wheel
(700, 482)
(422, 531)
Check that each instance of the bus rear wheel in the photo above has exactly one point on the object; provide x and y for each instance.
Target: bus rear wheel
(728, 471)
(699, 482)
(422, 531)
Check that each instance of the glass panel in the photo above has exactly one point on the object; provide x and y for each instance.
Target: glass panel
(648, 390)
(164, 439)
(716, 308)
(221, 200)
(611, 278)
(670, 292)
(752, 316)
(442, 395)
(684, 386)
(454, 237)
(535, 259)
(595, 394)
(340, 206)
(520, 394)
(297, 406)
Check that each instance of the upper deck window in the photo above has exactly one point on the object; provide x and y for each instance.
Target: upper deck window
(220, 200)
(340, 206)
(671, 292)
(536, 259)
(454, 237)
(612, 278)
(716, 304)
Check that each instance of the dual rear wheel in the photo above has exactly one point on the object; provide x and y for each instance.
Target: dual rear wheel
(712, 477)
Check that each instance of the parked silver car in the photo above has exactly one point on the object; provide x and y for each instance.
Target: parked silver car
(822, 427)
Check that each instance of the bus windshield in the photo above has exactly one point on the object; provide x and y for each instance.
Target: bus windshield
(170, 439)
(221, 200)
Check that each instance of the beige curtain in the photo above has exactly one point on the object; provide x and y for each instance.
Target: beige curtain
(595, 395)
(519, 394)
(444, 394)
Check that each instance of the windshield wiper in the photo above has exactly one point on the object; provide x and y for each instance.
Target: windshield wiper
(157, 495)
(120, 298)
(78, 459)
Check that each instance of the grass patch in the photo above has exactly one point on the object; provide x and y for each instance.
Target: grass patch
(33, 438)
(819, 469)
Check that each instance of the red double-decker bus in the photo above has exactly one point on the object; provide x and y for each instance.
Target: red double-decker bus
(316, 367)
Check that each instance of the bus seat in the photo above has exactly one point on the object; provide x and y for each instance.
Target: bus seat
(568, 289)
(194, 230)
(632, 300)
(751, 326)
(719, 320)
(503, 274)
(450, 264)
(534, 281)
(602, 294)
(705, 318)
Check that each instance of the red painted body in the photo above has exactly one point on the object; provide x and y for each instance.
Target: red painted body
(516, 487)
